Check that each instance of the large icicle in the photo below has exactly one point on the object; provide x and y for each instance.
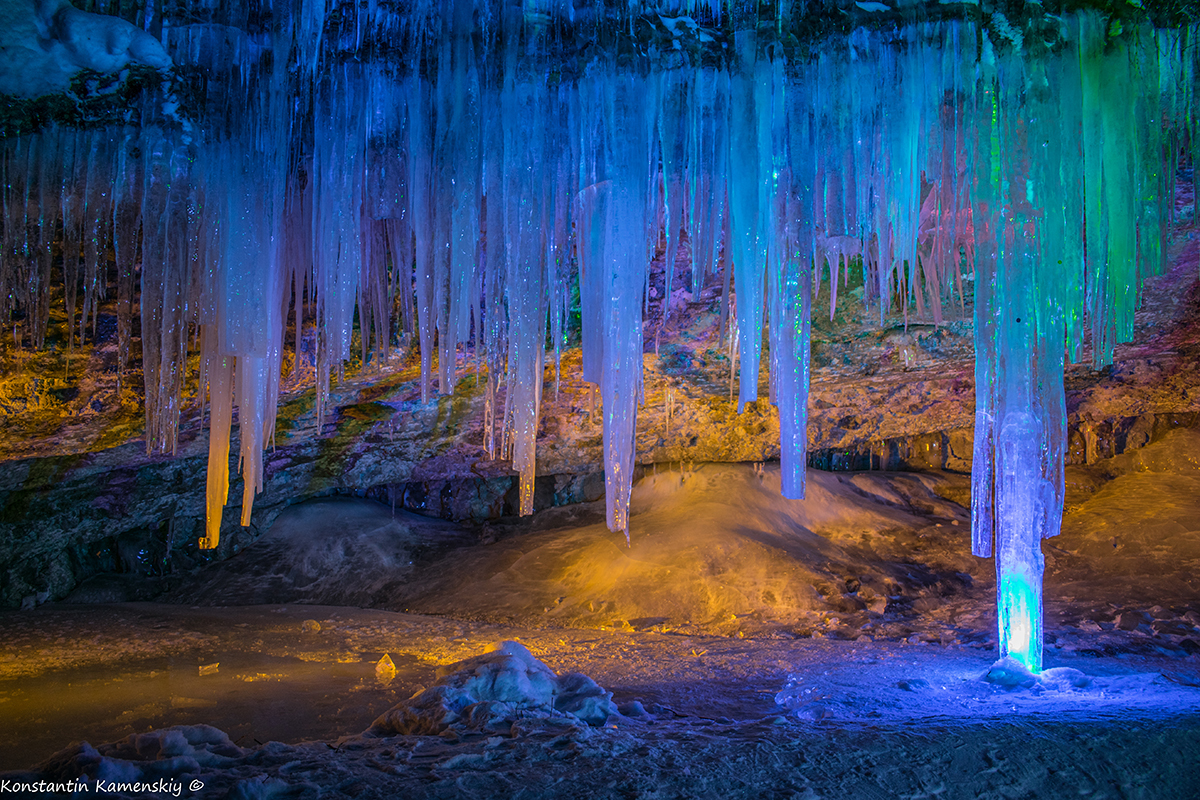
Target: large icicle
(616, 219)
(749, 182)
(790, 275)
(1033, 210)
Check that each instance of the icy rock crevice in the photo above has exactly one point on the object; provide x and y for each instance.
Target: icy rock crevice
(491, 691)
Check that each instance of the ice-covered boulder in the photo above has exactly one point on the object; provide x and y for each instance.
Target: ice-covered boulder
(44, 43)
(144, 757)
(490, 691)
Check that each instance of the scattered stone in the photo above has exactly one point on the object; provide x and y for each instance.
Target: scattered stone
(1130, 620)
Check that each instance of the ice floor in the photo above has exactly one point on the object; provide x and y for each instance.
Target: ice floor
(864, 719)
(834, 647)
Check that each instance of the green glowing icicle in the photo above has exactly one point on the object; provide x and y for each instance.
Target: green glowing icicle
(1050, 219)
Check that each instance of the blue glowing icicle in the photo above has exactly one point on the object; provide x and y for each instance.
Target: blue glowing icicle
(339, 162)
(749, 179)
(524, 110)
(1013, 434)
(789, 275)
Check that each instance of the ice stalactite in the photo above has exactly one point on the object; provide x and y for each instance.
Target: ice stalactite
(1046, 223)
(676, 101)
(708, 159)
(614, 220)
(526, 200)
(749, 201)
(338, 173)
(789, 275)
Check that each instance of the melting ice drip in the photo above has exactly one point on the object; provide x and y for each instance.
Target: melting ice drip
(456, 172)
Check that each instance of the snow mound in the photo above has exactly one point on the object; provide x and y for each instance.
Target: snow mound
(327, 551)
(144, 758)
(491, 691)
(718, 550)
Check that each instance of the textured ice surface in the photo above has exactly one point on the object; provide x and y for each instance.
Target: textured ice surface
(883, 719)
(492, 691)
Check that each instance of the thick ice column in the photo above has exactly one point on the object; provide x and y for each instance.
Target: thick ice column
(789, 282)
(1020, 426)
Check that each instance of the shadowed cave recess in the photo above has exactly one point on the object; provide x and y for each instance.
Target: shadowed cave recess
(558, 399)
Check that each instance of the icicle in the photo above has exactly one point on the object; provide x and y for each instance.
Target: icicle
(220, 387)
(709, 172)
(622, 216)
(338, 163)
(676, 100)
(749, 179)
(524, 107)
(789, 277)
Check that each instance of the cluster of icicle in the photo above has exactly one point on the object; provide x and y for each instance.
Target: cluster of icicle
(479, 183)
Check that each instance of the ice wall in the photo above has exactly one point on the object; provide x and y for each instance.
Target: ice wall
(452, 172)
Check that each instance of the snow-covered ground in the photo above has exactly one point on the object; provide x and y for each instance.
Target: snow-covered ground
(755, 647)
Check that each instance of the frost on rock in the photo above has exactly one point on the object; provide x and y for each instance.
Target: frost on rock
(491, 691)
